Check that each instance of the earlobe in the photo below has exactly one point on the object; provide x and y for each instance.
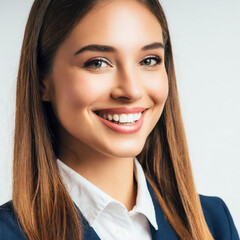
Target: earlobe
(45, 90)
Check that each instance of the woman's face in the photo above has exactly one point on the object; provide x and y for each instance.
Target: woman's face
(127, 76)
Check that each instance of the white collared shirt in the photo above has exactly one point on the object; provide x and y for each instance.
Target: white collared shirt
(108, 217)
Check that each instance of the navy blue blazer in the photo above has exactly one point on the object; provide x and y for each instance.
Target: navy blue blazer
(216, 213)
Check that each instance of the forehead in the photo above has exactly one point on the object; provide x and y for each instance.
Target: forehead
(124, 24)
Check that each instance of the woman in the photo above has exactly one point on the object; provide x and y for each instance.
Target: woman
(100, 150)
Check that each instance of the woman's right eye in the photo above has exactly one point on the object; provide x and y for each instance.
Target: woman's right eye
(96, 63)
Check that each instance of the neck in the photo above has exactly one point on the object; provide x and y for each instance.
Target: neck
(114, 176)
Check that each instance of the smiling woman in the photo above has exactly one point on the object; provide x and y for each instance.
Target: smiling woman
(100, 150)
(110, 77)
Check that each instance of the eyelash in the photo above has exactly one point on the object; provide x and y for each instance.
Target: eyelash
(88, 63)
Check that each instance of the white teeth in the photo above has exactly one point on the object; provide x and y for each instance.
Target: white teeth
(109, 116)
(135, 116)
(122, 118)
(116, 117)
(130, 118)
(126, 118)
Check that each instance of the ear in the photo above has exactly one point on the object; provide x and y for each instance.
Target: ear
(45, 90)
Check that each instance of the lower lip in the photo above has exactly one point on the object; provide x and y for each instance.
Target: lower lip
(125, 129)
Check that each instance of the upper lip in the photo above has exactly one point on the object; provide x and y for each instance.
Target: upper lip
(125, 110)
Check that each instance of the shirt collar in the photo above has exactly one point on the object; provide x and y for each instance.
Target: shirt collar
(144, 203)
(88, 196)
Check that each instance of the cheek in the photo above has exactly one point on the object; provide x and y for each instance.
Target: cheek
(157, 87)
(78, 90)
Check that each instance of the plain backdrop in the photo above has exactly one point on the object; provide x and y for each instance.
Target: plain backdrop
(206, 44)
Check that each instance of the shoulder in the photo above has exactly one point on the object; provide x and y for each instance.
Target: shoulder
(9, 228)
(218, 218)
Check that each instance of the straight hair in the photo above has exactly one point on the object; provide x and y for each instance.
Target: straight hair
(41, 203)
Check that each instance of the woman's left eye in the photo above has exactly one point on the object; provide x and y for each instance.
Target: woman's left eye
(151, 61)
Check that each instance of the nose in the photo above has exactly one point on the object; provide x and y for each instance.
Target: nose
(128, 86)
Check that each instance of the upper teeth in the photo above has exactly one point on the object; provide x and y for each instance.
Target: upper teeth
(123, 118)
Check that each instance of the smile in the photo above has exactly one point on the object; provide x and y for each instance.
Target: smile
(125, 119)
(122, 120)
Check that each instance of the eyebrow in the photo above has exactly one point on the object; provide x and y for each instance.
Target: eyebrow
(105, 48)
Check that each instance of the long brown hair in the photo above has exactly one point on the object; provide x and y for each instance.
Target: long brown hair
(42, 205)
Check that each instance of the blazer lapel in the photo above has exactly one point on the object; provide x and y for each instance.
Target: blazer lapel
(165, 231)
(88, 231)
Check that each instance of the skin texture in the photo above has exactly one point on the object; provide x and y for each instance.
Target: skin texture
(122, 79)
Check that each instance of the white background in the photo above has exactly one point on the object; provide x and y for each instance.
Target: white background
(206, 44)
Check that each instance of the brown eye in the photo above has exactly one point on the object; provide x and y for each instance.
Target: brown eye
(96, 64)
(151, 61)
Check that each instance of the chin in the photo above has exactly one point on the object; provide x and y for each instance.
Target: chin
(125, 152)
